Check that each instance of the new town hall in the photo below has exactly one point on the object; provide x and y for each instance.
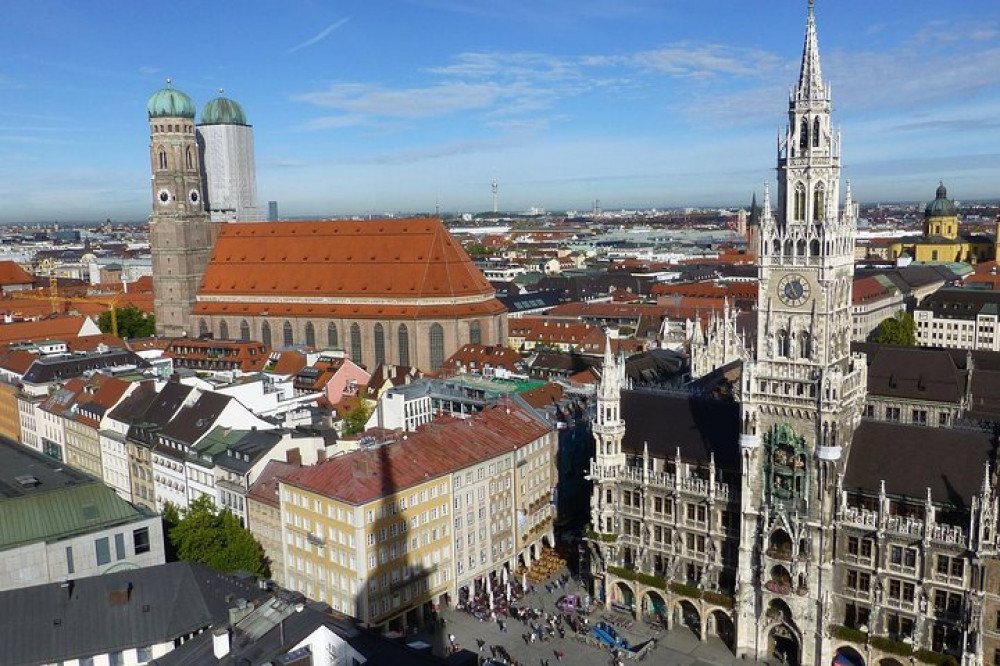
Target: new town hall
(782, 520)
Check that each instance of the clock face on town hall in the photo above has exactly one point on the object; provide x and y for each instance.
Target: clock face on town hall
(793, 290)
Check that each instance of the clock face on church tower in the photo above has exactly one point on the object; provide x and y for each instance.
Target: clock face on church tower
(793, 290)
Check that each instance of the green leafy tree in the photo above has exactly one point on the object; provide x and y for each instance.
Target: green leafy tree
(899, 330)
(132, 322)
(216, 539)
(355, 420)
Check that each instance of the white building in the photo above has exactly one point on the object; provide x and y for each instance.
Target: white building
(226, 142)
(959, 319)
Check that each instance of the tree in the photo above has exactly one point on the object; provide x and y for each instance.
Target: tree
(216, 539)
(132, 322)
(355, 420)
(899, 330)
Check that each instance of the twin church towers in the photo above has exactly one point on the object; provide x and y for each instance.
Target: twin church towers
(202, 175)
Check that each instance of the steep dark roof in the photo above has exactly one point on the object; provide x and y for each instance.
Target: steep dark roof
(52, 368)
(699, 427)
(114, 612)
(911, 459)
(913, 373)
(193, 422)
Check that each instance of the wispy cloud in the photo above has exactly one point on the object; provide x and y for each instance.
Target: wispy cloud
(320, 36)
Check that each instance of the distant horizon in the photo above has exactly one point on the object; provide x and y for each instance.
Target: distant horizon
(405, 105)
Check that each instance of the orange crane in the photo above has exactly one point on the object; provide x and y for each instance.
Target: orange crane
(47, 265)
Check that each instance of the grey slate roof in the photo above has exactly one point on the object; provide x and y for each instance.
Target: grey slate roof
(52, 368)
(699, 427)
(117, 611)
(910, 459)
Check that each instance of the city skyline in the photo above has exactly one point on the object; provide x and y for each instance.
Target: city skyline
(379, 107)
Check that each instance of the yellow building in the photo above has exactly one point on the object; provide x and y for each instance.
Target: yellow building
(942, 240)
(10, 422)
(372, 532)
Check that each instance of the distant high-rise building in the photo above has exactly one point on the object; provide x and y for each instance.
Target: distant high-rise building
(272, 211)
(226, 142)
(180, 232)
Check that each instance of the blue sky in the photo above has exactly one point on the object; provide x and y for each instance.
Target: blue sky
(382, 106)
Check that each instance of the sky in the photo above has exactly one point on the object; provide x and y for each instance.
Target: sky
(383, 106)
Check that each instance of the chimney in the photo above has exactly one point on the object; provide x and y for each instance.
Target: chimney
(220, 642)
(294, 456)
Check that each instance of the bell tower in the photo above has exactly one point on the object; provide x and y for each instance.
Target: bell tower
(803, 391)
(180, 233)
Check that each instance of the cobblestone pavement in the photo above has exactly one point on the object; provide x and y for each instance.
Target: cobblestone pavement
(678, 647)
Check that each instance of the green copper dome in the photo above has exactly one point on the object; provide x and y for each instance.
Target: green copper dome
(170, 103)
(942, 206)
(223, 111)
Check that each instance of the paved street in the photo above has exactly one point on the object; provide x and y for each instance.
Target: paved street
(676, 647)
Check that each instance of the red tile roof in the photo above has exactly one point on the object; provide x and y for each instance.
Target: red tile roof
(473, 358)
(56, 327)
(443, 446)
(12, 274)
(396, 260)
(868, 289)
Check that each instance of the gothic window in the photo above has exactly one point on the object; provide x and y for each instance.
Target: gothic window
(265, 334)
(161, 157)
(800, 203)
(819, 202)
(805, 345)
(331, 336)
(310, 334)
(800, 248)
(223, 330)
(816, 133)
(379, 344)
(287, 337)
(777, 246)
(244, 330)
(202, 327)
(814, 248)
(356, 343)
(437, 346)
(404, 345)
(189, 158)
(783, 343)
(788, 247)
(804, 134)
(475, 334)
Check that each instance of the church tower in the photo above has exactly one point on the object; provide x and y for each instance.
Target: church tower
(802, 391)
(180, 233)
(609, 431)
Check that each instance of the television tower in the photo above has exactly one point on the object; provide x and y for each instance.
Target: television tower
(496, 196)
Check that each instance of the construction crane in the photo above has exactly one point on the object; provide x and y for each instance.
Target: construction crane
(111, 302)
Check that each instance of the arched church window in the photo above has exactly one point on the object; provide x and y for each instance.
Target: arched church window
(819, 202)
(202, 328)
(814, 248)
(310, 334)
(379, 344)
(244, 330)
(783, 343)
(161, 158)
(805, 345)
(331, 336)
(788, 247)
(777, 246)
(800, 248)
(804, 134)
(287, 336)
(800, 203)
(223, 330)
(475, 334)
(816, 133)
(437, 345)
(189, 158)
(356, 355)
(265, 334)
(404, 345)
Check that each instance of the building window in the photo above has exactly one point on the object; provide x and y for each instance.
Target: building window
(379, 344)
(162, 158)
(404, 345)
(120, 546)
(819, 202)
(223, 330)
(103, 548)
(189, 158)
(892, 414)
(244, 330)
(437, 346)
(332, 340)
(202, 328)
(310, 334)
(140, 540)
(70, 568)
(265, 334)
(816, 133)
(475, 334)
(356, 344)
(800, 203)
(287, 337)
(804, 135)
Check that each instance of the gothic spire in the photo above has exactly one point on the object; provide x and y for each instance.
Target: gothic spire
(810, 76)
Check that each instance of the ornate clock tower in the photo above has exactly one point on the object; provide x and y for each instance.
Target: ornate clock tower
(180, 233)
(802, 393)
